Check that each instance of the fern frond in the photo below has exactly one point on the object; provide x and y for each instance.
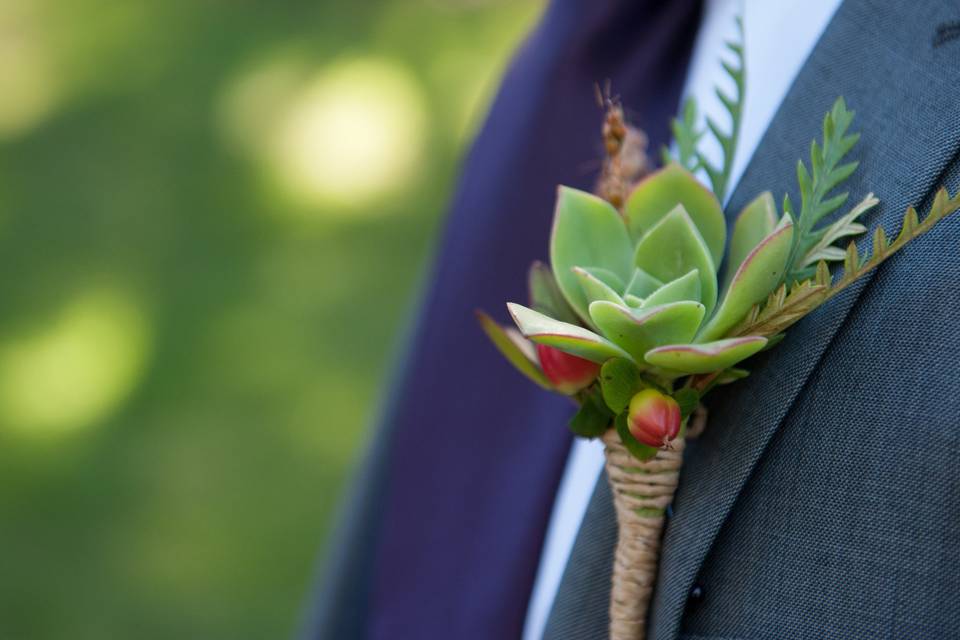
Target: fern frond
(784, 306)
(686, 136)
(845, 226)
(720, 176)
(911, 227)
(826, 174)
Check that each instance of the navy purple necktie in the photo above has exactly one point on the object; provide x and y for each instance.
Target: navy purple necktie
(476, 451)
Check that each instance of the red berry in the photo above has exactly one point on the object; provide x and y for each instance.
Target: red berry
(568, 373)
(654, 418)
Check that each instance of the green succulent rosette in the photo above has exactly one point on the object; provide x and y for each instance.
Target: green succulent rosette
(645, 285)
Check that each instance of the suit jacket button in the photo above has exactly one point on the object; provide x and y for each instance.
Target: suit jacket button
(696, 593)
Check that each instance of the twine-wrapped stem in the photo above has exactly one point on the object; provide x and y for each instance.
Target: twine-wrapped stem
(641, 493)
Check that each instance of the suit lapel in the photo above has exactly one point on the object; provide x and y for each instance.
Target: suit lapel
(881, 57)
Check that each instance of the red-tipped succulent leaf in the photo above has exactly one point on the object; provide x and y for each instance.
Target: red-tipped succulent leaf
(654, 418)
(568, 373)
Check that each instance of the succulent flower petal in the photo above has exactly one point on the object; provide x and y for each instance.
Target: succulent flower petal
(513, 350)
(674, 248)
(569, 338)
(686, 287)
(657, 194)
(641, 284)
(545, 295)
(594, 288)
(587, 231)
(638, 331)
(757, 276)
(753, 224)
(705, 358)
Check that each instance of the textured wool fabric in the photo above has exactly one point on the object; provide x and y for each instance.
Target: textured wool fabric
(823, 499)
(446, 531)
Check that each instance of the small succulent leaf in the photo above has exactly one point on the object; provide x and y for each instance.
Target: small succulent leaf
(642, 284)
(688, 399)
(596, 289)
(587, 231)
(619, 381)
(705, 358)
(757, 276)
(636, 448)
(674, 248)
(660, 192)
(686, 287)
(593, 417)
(633, 301)
(638, 331)
(545, 295)
(526, 347)
(567, 337)
(607, 277)
(514, 354)
(753, 224)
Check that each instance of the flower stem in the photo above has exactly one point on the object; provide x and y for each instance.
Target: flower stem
(641, 493)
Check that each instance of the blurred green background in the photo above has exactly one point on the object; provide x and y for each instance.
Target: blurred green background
(214, 216)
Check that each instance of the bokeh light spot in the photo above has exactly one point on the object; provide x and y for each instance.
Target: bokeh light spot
(75, 369)
(352, 134)
(334, 140)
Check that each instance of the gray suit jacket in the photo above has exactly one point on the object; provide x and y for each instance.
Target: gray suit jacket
(823, 501)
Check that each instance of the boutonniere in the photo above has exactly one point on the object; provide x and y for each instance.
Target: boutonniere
(634, 320)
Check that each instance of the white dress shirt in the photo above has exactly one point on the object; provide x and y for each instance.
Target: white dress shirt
(779, 36)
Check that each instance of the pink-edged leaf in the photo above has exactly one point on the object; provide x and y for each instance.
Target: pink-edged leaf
(685, 287)
(641, 284)
(587, 232)
(521, 358)
(567, 337)
(705, 358)
(753, 224)
(545, 295)
(594, 288)
(656, 195)
(637, 331)
(673, 248)
(758, 275)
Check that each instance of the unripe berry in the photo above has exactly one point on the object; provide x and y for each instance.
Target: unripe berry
(654, 418)
(568, 373)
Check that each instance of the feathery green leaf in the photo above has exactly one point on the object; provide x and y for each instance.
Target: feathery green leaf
(720, 176)
(686, 136)
(826, 174)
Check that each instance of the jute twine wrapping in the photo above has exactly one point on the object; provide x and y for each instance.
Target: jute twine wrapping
(637, 486)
